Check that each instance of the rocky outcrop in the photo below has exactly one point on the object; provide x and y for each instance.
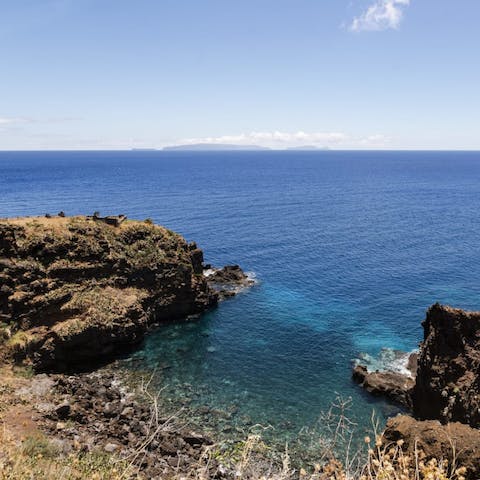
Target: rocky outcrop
(448, 378)
(454, 442)
(392, 385)
(443, 393)
(228, 281)
(75, 291)
(445, 383)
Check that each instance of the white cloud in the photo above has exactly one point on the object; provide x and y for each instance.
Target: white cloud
(4, 121)
(16, 120)
(377, 140)
(274, 139)
(381, 15)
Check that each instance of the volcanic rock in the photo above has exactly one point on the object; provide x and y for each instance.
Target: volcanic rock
(448, 378)
(392, 385)
(228, 281)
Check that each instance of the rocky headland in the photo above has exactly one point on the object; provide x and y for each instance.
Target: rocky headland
(77, 290)
(442, 392)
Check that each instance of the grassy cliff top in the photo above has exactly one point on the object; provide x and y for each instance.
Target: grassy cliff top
(80, 282)
(83, 238)
(59, 225)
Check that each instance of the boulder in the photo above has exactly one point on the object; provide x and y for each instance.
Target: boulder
(454, 442)
(228, 281)
(392, 385)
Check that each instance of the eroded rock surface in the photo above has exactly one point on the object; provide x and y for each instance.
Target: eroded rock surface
(448, 378)
(397, 386)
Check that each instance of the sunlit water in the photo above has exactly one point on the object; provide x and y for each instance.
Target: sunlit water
(349, 249)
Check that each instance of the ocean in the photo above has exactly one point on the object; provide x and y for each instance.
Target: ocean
(348, 249)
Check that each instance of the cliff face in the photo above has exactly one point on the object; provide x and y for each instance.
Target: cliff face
(74, 290)
(448, 376)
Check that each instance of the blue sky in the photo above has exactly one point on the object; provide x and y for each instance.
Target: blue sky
(103, 74)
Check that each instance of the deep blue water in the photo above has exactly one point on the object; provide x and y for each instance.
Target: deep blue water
(349, 248)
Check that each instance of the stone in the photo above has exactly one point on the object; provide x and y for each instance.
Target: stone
(392, 385)
(127, 412)
(111, 447)
(228, 281)
(63, 410)
(454, 441)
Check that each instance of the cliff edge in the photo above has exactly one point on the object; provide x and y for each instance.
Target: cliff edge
(74, 290)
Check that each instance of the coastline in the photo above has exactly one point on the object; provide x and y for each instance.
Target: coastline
(142, 275)
(92, 412)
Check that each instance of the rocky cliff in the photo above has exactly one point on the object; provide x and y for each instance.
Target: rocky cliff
(447, 385)
(75, 290)
(443, 392)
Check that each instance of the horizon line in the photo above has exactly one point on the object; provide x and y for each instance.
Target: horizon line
(253, 150)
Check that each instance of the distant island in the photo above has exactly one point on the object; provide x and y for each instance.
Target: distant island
(209, 147)
(225, 147)
(308, 148)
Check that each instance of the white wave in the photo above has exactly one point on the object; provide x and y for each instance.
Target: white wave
(388, 360)
(252, 277)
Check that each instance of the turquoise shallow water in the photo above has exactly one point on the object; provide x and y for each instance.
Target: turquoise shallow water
(349, 249)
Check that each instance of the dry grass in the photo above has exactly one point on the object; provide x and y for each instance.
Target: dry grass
(36, 458)
(382, 463)
(99, 305)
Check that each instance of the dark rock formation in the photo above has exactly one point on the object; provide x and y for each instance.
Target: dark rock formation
(74, 291)
(448, 379)
(444, 393)
(229, 280)
(392, 385)
(453, 442)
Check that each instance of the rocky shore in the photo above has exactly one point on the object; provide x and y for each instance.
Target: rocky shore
(442, 392)
(74, 293)
(96, 411)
